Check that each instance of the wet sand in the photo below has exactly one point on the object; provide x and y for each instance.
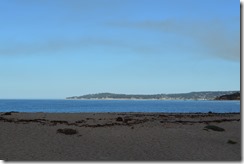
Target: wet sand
(119, 137)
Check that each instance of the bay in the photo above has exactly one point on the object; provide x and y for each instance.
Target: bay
(100, 106)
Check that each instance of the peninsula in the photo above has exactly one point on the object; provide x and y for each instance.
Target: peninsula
(206, 95)
(233, 96)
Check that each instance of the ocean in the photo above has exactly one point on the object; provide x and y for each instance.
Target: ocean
(100, 106)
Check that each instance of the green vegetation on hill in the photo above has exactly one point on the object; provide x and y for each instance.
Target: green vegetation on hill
(207, 95)
(233, 96)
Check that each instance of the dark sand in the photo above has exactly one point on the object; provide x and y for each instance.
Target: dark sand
(119, 137)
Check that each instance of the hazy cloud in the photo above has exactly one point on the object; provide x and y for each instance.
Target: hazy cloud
(57, 45)
(213, 36)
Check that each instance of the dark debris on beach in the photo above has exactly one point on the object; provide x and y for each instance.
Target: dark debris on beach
(128, 120)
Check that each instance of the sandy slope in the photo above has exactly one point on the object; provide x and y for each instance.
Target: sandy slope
(33, 136)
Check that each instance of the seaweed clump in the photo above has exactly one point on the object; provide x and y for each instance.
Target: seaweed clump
(231, 142)
(214, 128)
(67, 131)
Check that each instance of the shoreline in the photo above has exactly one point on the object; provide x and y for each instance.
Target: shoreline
(152, 99)
(120, 99)
(210, 112)
(120, 137)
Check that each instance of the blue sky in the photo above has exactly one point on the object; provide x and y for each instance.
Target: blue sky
(61, 48)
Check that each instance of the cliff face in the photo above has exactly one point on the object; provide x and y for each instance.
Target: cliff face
(234, 96)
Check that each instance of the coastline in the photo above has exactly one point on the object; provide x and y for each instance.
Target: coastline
(105, 99)
(120, 137)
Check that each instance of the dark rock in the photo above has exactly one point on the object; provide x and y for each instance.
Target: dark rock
(67, 131)
(214, 128)
(7, 113)
(231, 142)
(119, 119)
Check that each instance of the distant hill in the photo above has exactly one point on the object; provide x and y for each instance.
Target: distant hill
(207, 95)
(233, 96)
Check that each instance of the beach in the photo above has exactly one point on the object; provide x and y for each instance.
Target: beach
(120, 137)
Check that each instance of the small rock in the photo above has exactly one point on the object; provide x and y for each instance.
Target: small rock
(214, 128)
(119, 119)
(231, 142)
(7, 113)
(67, 131)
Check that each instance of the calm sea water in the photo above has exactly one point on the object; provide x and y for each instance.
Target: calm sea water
(75, 106)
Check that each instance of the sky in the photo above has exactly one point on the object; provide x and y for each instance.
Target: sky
(60, 48)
